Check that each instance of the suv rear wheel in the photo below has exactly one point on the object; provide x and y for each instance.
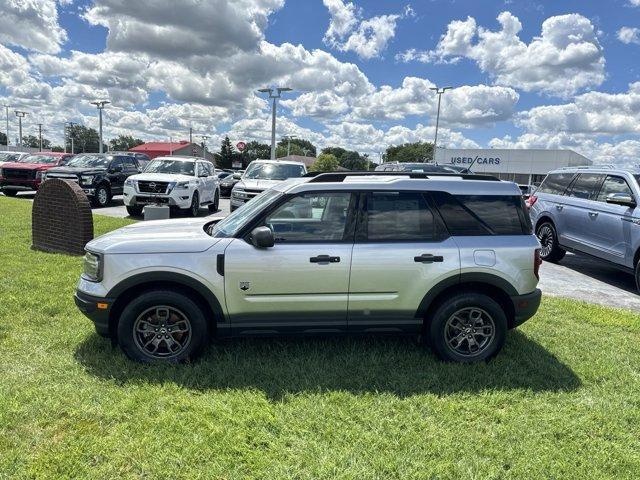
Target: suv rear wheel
(548, 238)
(162, 326)
(638, 275)
(467, 327)
(216, 202)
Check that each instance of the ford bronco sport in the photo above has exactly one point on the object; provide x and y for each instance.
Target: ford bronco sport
(451, 257)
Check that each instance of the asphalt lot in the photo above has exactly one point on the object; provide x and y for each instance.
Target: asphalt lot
(575, 277)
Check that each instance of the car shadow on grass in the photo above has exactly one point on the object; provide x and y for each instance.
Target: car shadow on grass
(394, 365)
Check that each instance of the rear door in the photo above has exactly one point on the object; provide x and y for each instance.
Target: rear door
(551, 198)
(117, 175)
(401, 251)
(300, 284)
(578, 211)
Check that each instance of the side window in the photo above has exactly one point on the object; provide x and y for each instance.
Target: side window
(209, 168)
(586, 186)
(312, 217)
(131, 163)
(613, 185)
(397, 216)
(200, 169)
(116, 162)
(476, 215)
(556, 183)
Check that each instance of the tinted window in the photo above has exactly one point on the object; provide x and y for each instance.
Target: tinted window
(89, 160)
(312, 217)
(586, 186)
(467, 215)
(170, 166)
(130, 163)
(399, 216)
(613, 185)
(556, 183)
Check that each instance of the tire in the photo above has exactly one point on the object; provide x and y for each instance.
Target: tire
(168, 322)
(548, 238)
(134, 211)
(465, 318)
(10, 193)
(101, 197)
(216, 202)
(638, 275)
(194, 209)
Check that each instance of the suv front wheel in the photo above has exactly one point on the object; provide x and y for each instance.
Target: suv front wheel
(102, 196)
(548, 238)
(467, 327)
(162, 326)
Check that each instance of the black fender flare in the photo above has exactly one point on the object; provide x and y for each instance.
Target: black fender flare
(461, 279)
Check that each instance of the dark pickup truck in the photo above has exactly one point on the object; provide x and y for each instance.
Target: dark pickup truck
(101, 176)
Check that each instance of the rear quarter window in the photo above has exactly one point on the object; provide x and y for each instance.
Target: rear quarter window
(471, 215)
(556, 183)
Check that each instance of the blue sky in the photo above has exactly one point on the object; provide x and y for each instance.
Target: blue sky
(525, 74)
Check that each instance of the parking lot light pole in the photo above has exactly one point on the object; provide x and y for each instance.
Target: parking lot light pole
(288, 138)
(439, 92)
(204, 146)
(6, 107)
(274, 94)
(20, 116)
(100, 104)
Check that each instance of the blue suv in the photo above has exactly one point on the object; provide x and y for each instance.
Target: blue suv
(592, 211)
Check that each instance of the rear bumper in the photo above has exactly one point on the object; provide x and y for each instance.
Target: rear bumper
(525, 306)
(96, 309)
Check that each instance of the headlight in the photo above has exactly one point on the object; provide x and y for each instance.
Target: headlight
(92, 266)
(40, 175)
(129, 182)
(238, 193)
(182, 184)
(87, 179)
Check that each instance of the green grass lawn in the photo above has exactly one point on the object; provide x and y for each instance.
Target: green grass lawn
(561, 401)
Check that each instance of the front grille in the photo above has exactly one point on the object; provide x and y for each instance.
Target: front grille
(63, 176)
(152, 187)
(18, 174)
(252, 192)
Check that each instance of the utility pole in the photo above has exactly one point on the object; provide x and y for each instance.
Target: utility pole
(439, 92)
(204, 146)
(288, 138)
(190, 134)
(100, 104)
(274, 94)
(6, 107)
(71, 136)
(20, 116)
(40, 136)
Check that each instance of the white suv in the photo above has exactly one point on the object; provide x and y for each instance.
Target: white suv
(450, 257)
(182, 182)
(262, 175)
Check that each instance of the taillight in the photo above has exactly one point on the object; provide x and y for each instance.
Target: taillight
(531, 201)
(537, 261)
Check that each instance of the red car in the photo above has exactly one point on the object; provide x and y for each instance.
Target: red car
(26, 174)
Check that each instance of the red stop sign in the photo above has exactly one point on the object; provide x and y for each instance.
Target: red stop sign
(241, 146)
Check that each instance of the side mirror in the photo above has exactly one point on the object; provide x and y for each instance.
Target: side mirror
(262, 237)
(623, 199)
(237, 176)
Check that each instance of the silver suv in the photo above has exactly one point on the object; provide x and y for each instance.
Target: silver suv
(451, 257)
(592, 211)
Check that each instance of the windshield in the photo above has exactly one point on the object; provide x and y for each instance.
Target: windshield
(234, 222)
(89, 160)
(42, 159)
(427, 168)
(8, 157)
(273, 171)
(171, 166)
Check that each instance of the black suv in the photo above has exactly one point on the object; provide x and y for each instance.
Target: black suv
(99, 175)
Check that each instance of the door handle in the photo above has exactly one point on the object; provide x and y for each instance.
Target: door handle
(593, 214)
(324, 259)
(559, 207)
(428, 258)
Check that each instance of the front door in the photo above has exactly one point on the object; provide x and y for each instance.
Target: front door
(402, 250)
(300, 284)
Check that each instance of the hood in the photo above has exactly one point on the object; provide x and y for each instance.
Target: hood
(162, 177)
(77, 170)
(256, 184)
(28, 166)
(159, 236)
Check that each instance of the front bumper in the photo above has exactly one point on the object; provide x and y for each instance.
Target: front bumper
(525, 306)
(96, 309)
(19, 185)
(140, 199)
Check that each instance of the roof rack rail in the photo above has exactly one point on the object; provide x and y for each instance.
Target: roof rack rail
(340, 176)
(606, 166)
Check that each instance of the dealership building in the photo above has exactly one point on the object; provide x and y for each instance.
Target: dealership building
(524, 166)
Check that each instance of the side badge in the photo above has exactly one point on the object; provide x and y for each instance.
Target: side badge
(244, 286)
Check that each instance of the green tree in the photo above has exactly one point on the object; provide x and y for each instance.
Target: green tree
(34, 142)
(227, 154)
(325, 162)
(299, 146)
(57, 148)
(409, 152)
(85, 140)
(348, 159)
(123, 143)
